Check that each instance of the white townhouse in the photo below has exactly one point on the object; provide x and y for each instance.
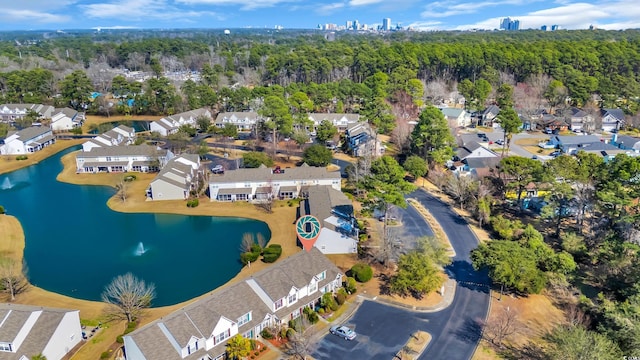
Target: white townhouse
(270, 297)
(244, 121)
(340, 121)
(136, 158)
(26, 141)
(65, 119)
(120, 135)
(176, 179)
(26, 331)
(267, 183)
(612, 119)
(12, 112)
(456, 117)
(170, 124)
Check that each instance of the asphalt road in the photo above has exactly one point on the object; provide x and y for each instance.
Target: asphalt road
(383, 330)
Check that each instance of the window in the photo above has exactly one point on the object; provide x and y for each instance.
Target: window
(244, 319)
(313, 287)
(279, 304)
(293, 298)
(222, 336)
(322, 275)
(242, 197)
(5, 347)
(224, 197)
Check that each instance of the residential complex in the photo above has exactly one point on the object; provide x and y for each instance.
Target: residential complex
(177, 179)
(269, 298)
(26, 141)
(136, 158)
(26, 331)
(120, 135)
(270, 183)
(170, 124)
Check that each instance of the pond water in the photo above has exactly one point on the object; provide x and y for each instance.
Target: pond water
(75, 244)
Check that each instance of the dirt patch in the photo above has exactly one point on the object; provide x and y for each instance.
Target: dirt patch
(416, 345)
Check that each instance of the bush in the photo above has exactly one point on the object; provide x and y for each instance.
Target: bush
(290, 333)
(328, 302)
(341, 298)
(22, 157)
(362, 272)
(255, 248)
(2, 211)
(350, 285)
(271, 253)
(193, 203)
(105, 355)
(119, 339)
(130, 327)
(321, 311)
(313, 317)
(266, 334)
(249, 256)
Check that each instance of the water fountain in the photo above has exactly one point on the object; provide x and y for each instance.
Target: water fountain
(140, 250)
(6, 184)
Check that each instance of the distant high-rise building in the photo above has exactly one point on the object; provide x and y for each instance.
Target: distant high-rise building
(356, 25)
(386, 24)
(349, 25)
(543, 27)
(509, 25)
(555, 27)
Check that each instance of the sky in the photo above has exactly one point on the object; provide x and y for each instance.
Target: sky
(307, 14)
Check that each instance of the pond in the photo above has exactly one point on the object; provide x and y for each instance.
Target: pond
(75, 245)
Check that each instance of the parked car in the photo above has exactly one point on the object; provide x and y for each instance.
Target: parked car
(218, 169)
(390, 217)
(499, 142)
(535, 157)
(343, 332)
(555, 153)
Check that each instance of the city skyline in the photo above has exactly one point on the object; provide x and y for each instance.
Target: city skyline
(297, 14)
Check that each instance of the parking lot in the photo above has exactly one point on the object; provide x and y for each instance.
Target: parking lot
(382, 331)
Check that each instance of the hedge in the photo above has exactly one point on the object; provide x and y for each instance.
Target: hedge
(271, 253)
(362, 272)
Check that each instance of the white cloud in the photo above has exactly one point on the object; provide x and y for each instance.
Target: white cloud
(244, 4)
(328, 9)
(364, 2)
(580, 15)
(41, 5)
(135, 10)
(426, 25)
(441, 9)
(30, 16)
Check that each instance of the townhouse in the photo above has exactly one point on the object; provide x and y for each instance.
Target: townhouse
(340, 121)
(362, 140)
(13, 112)
(66, 119)
(243, 121)
(171, 124)
(177, 179)
(269, 183)
(26, 141)
(137, 158)
(269, 298)
(120, 135)
(26, 331)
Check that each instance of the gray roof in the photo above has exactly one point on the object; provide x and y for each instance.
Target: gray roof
(67, 112)
(264, 174)
(467, 149)
(231, 302)
(188, 114)
(322, 199)
(142, 150)
(481, 163)
(452, 112)
(576, 139)
(626, 140)
(494, 109)
(15, 316)
(596, 146)
(31, 132)
(616, 113)
(575, 112)
(39, 108)
(174, 168)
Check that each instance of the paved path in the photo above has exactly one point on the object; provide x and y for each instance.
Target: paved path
(383, 328)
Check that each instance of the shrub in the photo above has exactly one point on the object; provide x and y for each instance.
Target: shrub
(105, 355)
(290, 333)
(350, 285)
(266, 334)
(264, 348)
(193, 203)
(321, 311)
(22, 157)
(2, 211)
(271, 253)
(119, 339)
(130, 327)
(313, 317)
(257, 249)
(362, 272)
(249, 256)
(341, 298)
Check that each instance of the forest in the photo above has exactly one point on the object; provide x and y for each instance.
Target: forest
(586, 258)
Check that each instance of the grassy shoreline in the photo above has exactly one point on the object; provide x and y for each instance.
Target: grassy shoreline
(12, 239)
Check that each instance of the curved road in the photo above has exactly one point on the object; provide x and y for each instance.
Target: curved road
(383, 329)
(457, 331)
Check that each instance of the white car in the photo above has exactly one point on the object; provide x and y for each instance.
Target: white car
(343, 332)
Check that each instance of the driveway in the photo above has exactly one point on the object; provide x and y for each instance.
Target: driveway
(383, 330)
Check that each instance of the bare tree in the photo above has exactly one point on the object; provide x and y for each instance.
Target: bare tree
(436, 91)
(439, 177)
(462, 188)
(247, 242)
(261, 240)
(121, 187)
(504, 324)
(128, 296)
(12, 278)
